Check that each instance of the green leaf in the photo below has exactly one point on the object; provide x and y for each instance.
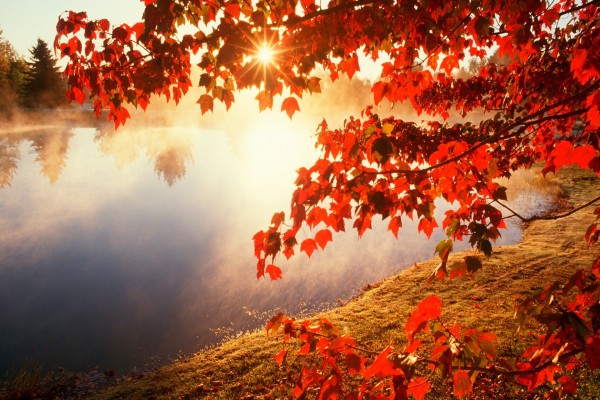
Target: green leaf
(452, 228)
(443, 248)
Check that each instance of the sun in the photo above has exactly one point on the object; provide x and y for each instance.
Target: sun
(265, 54)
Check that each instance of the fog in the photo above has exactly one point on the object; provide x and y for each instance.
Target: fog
(119, 246)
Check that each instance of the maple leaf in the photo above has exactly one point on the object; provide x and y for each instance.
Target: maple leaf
(427, 309)
(462, 385)
(382, 367)
(206, 103)
(427, 225)
(564, 154)
(308, 246)
(449, 63)
(275, 322)
(265, 100)
(355, 363)
(379, 90)
(290, 106)
(419, 387)
(280, 357)
(273, 271)
(322, 237)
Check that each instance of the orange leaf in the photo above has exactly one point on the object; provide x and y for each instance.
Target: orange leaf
(206, 103)
(290, 106)
(265, 100)
(308, 246)
(277, 219)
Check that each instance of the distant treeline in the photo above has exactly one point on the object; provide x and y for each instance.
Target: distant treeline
(31, 83)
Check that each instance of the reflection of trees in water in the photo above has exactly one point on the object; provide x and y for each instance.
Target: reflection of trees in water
(9, 157)
(50, 145)
(170, 165)
(51, 148)
(170, 149)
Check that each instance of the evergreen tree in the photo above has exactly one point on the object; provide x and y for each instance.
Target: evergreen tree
(44, 86)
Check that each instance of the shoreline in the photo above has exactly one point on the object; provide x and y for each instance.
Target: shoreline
(244, 364)
(234, 369)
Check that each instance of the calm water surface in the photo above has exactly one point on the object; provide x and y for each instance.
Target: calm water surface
(115, 248)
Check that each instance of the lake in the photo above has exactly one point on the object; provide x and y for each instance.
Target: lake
(116, 248)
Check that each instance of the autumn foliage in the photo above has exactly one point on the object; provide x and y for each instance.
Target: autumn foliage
(540, 104)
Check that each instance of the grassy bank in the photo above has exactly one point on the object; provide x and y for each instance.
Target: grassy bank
(551, 250)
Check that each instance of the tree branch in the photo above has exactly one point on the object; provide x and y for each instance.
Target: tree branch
(520, 123)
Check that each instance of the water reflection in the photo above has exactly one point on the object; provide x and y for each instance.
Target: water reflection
(110, 266)
(170, 149)
(49, 144)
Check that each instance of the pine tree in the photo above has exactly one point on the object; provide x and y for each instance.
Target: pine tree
(44, 86)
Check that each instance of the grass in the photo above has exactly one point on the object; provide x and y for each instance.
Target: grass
(243, 367)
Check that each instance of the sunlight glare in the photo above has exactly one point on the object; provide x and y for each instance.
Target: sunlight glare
(265, 54)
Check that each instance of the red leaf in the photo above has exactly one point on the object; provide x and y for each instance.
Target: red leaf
(233, 9)
(382, 367)
(379, 90)
(322, 237)
(350, 66)
(308, 246)
(592, 351)
(290, 106)
(564, 154)
(355, 363)
(569, 385)
(330, 388)
(449, 63)
(394, 225)
(462, 383)
(427, 226)
(280, 357)
(429, 308)
(273, 271)
(418, 387)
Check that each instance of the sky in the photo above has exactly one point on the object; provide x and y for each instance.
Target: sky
(24, 21)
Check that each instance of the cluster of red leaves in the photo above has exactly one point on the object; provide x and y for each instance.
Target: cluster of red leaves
(539, 103)
(335, 366)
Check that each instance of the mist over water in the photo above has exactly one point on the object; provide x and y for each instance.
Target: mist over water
(116, 247)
